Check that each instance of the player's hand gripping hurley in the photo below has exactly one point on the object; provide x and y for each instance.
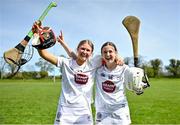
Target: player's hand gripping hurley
(132, 25)
(14, 56)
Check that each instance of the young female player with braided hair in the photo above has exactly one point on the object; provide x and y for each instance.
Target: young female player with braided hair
(77, 81)
(74, 106)
(111, 79)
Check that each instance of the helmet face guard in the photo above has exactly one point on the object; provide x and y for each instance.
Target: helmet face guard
(46, 38)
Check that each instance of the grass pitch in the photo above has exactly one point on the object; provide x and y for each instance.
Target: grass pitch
(35, 102)
(28, 101)
(160, 104)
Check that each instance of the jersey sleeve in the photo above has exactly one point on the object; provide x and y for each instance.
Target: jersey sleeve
(96, 61)
(60, 61)
(128, 78)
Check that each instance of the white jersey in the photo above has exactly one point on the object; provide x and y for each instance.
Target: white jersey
(110, 88)
(77, 81)
(75, 100)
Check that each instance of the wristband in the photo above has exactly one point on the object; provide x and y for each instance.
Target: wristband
(27, 38)
(20, 47)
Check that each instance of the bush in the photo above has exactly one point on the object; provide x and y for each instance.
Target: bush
(43, 74)
(29, 75)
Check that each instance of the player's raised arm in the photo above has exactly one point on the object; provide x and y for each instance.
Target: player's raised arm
(69, 51)
(44, 38)
(48, 56)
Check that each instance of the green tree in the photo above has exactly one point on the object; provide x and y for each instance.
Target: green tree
(44, 65)
(156, 66)
(130, 61)
(174, 67)
(29, 75)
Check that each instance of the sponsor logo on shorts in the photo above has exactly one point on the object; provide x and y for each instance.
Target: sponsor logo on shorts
(81, 78)
(108, 86)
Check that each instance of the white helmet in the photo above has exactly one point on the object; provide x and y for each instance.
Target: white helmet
(138, 80)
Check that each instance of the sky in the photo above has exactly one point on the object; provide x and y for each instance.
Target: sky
(99, 21)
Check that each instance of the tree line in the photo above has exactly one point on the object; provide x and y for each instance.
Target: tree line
(154, 68)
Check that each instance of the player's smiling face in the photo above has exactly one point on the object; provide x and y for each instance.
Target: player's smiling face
(109, 54)
(84, 52)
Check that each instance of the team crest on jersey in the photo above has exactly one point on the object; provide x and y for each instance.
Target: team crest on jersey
(103, 74)
(99, 117)
(80, 78)
(108, 86)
